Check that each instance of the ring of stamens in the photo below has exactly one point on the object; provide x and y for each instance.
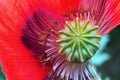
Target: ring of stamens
(79, 40)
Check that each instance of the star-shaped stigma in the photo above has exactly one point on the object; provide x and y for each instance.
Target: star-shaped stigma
(79, 40)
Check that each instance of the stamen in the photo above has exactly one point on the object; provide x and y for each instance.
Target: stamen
(72, 71)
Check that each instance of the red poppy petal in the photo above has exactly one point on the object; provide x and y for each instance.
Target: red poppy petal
(114, 11)
(110, 17)
(18, 63)
(61, 6)
(105, 13)
(14, 13)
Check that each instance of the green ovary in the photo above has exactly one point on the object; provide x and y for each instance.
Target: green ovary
(79, 40)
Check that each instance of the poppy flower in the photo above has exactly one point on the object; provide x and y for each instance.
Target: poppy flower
(53, 39)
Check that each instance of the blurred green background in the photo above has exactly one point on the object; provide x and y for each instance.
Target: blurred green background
(111, 69)
(107, 59)
(2, 76)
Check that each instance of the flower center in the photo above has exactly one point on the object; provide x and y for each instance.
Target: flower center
(79, 40)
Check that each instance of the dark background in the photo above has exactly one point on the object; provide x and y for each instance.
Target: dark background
(111, 68)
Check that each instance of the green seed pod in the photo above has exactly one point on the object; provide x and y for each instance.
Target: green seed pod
(79, 40)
